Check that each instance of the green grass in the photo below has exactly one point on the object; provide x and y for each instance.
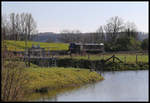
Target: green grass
(130, 58)
(57, 80)
(54, 78)
(20, 45)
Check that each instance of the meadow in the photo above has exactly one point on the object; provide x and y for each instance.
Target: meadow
(20, 45)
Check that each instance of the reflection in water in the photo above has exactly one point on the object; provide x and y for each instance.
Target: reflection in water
(117, 86)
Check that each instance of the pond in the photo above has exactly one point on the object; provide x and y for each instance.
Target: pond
(117, 86)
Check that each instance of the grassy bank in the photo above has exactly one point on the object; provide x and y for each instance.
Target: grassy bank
(52, 78)
(43, 80)
(38, 80)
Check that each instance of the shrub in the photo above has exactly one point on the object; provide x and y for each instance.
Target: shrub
(13, 81)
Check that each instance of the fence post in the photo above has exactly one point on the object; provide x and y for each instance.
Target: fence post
(113, 58)
(136, 59)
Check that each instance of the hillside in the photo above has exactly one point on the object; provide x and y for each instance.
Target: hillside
(57, 37)
(47, 37)
(20, 45)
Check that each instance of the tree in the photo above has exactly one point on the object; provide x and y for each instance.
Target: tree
(30, 25)
(19, 25)
(12, 24)
(122, 44)
(145, 44)
(113, 27)
(131, 30)
(4, 27)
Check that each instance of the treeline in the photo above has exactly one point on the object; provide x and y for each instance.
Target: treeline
(18, 26)
(116, 35)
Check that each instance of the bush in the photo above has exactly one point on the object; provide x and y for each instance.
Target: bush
(144, 44)
(13, 81)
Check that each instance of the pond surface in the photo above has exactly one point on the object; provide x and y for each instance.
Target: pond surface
(117, 86)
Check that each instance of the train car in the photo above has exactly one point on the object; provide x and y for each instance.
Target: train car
(88, 47)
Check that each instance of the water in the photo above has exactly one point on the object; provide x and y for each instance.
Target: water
(117, 86)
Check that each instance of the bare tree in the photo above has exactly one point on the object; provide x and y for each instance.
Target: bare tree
(113, 27)
(131, 30)
(4, 27)
(31, 25)
(12, 24)
(21, 25)
(17, 26)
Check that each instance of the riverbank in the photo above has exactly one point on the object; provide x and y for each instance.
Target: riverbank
(43, 80)
(100, 65)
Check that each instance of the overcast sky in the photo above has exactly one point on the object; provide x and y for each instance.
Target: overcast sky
(84, 16)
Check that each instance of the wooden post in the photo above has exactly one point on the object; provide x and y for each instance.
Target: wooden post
(113, 58)
(71, 55)
(136, 59)
(29, 62)
(141, 57)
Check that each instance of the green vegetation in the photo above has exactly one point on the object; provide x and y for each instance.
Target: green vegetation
(54, 78)
(100, 65)
(20, 45)
(130, 58)
(39, 80)
(145, 44)
(125, 44)
(130, 62)
(13, 82)
(109, 66)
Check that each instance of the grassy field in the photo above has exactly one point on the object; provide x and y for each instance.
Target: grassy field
(20, 45)
(130, 58)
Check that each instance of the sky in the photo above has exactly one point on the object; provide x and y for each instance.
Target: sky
(83, 16)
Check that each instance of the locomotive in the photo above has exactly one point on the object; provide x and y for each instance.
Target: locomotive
(88, 48)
